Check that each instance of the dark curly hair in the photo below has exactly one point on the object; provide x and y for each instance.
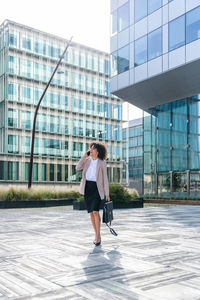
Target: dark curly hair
(101, 149)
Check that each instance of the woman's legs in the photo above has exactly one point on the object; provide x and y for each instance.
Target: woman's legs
(97, 220)
(93, 224)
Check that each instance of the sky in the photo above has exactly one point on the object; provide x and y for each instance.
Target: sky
(88, 21)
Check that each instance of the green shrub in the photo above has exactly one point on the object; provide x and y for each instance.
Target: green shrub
(118, 193)
(80, 198)
(14, 194)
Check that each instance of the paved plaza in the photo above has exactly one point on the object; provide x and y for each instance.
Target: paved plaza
(47, 253)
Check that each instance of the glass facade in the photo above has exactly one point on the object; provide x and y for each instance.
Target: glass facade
(77, 108)
(133, 32)
(171, 148)
(184, 29)
(132, 154)
(148, 47)
(177, 33)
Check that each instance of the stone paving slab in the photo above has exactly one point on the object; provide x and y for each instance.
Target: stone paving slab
(47, 253)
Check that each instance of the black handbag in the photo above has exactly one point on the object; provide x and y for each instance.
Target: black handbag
(108, 215)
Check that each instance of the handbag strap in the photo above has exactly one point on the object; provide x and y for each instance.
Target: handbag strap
(112, 230)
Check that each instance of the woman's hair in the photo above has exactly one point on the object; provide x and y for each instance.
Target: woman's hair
(101, 149)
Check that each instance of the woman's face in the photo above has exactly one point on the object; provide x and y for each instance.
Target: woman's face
(93, 152)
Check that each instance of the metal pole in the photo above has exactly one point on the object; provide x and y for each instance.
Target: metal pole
(35, 116)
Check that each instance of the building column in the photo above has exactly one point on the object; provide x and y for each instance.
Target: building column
(156, 183)
(48, 172)
(171, 182)
(20, 171)
(6, 170)
(55, 171)
(111, 173)
(63, 171)
(188, 182)
(39, 171)
(69, 171)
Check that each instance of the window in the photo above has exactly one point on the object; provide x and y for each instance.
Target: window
(44, 172)
(107, 110)
(154, 5)
(114, 63)
(13, 144)
(114, 22)
(25, 144)
(2, 170)
(35, 172)
(140, 51)
(26, 120)
(155, 44)
(13, 118)
(123, 59)
(107, 66)
(13, 170)
(66, 172)
(77, 149)
(140, 9)
(13, 65)
(177, 33)
(13, 38)
(123, 17)
(120, 19)
(116, 133)
(193, 25)
(59, 172)
(26, 43)
(51, 172)
(13, 91)
(90, 129)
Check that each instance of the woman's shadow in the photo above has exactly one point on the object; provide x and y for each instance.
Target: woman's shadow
(102, 265)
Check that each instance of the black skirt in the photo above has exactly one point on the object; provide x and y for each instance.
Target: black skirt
(92, 197)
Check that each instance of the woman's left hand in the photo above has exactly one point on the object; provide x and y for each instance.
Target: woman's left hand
(107, 198)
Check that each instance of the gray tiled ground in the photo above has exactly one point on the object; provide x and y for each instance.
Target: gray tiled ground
(48, 254)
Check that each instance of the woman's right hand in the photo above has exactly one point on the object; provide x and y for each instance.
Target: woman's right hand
(85, 154)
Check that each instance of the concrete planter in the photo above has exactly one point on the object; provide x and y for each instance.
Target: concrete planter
(136, 203)
(35, 203)
(172, 201)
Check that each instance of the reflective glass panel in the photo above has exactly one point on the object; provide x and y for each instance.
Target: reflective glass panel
(114, 63)
(59, 172)
(177, 33)
(44, 172)
(195, 183)
(140, 51)
(193, 25)
(140, 9)
(155, 44)
(114, 22)
(179, 135)
(180, 183)
(51, 172)
(123, 59)
(164, 183)
(194, 134)
(154, 5)
(123, 17)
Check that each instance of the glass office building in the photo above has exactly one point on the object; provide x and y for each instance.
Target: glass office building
(155, 63)
(172, 148)
(155, 55)
(132, 154)
(77, 108)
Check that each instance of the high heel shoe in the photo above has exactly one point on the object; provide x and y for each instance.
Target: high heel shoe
(97, 243)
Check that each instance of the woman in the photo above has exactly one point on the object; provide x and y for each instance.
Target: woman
(94, 183)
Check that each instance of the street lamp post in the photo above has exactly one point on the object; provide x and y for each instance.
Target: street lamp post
(35, 116)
